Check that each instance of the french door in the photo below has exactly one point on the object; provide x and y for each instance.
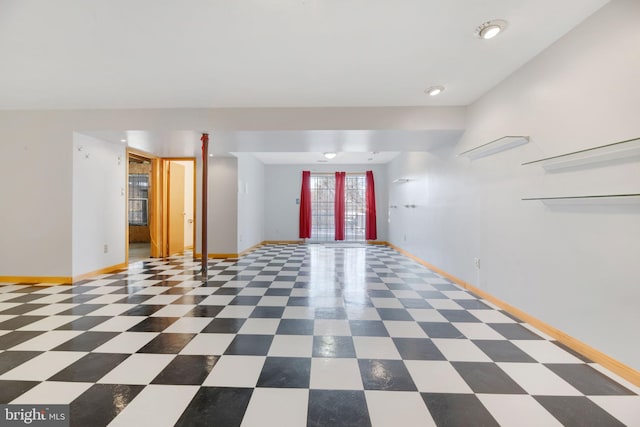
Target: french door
(323, 190)
(355, 211)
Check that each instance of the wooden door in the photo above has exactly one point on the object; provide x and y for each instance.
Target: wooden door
(175, 197)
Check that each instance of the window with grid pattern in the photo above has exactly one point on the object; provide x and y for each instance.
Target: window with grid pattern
(354, 206)
(138, 199)
(323, 188)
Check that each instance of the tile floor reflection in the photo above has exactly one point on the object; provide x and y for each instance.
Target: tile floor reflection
(292, 335)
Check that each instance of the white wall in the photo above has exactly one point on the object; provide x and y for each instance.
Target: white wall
(35, 197)
(250, 201)
(99, 204)
(576, 267)
(282, 189)
(222, 211)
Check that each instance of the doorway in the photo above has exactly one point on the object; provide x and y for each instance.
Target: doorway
(355, 207)
(161, 206)
(323, 191)
(139, 207)
(179, 205)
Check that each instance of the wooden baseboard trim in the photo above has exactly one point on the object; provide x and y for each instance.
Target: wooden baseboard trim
(222, 256)
(60, 280)
(41, 280)
(378, 242)
(251, 249)
(615, 366)
(217, 256)
(104, 270)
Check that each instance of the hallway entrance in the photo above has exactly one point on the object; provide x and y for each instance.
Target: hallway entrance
(160, 206)
(139, 207)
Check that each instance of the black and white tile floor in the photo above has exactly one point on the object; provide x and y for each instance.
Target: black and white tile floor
(292, 335)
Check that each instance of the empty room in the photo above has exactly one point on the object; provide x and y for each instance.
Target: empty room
(320, 213)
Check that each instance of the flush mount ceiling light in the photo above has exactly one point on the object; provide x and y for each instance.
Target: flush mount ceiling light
(490, 29)
(434, 90)
(329, 155)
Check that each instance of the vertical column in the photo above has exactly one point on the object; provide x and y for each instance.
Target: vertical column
(205, 180)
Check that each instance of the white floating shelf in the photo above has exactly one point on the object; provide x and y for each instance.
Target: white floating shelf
(496, 146)
(401, 180)
(628, 149)
(604, 199)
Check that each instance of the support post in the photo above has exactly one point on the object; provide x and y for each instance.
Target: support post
(205, 180)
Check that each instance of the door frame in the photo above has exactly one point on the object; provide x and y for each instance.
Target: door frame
(154, 206)
(164, 228)
(158, 203)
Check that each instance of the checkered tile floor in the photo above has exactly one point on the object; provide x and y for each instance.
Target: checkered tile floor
(292, 335)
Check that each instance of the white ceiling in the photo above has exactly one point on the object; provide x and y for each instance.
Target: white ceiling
(89, 54)
(76, 54)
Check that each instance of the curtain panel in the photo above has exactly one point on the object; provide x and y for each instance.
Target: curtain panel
(370, 230)
(305, 206)
(339, 206)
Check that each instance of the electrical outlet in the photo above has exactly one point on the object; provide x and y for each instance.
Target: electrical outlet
(476, 261)
(106, 248)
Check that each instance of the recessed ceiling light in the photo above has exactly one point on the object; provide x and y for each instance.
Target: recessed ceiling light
(490, 29)
(210, 155)
(434, 90)
(123, 140)
(329, 155)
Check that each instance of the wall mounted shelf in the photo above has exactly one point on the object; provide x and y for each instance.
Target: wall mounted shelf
(401, 180)
(603, 199)
(496, 146)
(618, 150)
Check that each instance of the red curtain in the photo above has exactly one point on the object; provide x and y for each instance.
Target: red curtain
(370, 229)
(339, 206)
(305, 206)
